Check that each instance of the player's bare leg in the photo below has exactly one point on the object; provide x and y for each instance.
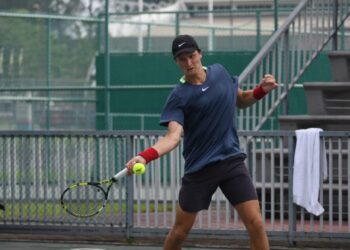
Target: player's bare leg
(250, 214)
(182, 226)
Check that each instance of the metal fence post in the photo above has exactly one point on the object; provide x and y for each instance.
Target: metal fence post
(48, 49)
(149, 38)
(291, 206)
(286, 65)
(107, 69)
(129, 222)
(276, 14)
(258, 30)
(99, 33)
(177, 23)
(335, 26)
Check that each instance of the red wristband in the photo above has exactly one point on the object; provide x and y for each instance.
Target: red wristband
(149, 154)
(259, 92)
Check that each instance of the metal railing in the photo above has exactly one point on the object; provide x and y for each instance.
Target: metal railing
(40, 85)
(37, 77)
(35, 167)
(152, 31)
(289, 52)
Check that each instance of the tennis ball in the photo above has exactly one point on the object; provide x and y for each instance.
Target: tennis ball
(139, 168)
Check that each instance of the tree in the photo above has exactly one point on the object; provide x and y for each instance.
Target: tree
(24, 40)
(62, 7)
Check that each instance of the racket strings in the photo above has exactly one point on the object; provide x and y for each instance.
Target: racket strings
(84, 200)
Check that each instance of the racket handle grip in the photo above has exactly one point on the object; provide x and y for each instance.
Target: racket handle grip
(120, 174)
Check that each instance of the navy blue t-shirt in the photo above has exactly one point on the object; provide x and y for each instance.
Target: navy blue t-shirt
(207, 113)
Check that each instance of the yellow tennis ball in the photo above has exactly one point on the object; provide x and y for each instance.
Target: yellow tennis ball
(139, 168)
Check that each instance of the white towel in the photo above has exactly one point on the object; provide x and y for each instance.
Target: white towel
(307, 166)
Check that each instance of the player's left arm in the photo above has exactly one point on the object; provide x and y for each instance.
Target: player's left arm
(246, 98)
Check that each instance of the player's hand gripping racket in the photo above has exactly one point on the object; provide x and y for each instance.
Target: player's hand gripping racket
(86, 199)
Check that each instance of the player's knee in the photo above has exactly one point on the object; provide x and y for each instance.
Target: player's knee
(179, 234)
(255, 224)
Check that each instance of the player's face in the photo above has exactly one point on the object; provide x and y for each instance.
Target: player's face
(190, 63)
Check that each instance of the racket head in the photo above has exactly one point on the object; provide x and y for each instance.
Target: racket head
(85, 199)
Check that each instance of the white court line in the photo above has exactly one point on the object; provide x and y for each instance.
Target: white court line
(87, 249)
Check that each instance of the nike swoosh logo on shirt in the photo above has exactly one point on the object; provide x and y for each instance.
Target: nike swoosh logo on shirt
(181, 44)
(205, 89)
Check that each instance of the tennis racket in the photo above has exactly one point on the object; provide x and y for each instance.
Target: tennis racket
(86, 199)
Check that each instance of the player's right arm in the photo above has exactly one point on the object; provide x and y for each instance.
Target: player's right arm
(170, 140)
(161, 147)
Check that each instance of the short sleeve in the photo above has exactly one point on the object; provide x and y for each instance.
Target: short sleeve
(235, 80)
(172, 111)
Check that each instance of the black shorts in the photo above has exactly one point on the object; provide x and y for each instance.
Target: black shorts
(231, 175)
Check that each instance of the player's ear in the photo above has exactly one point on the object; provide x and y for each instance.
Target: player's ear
(177, 62)
(200, 53)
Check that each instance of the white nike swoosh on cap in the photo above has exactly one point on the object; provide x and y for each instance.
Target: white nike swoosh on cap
(181, 44)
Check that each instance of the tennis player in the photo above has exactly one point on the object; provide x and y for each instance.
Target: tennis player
(202, 107)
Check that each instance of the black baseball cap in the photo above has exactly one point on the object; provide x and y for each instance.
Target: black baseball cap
(184, 44)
